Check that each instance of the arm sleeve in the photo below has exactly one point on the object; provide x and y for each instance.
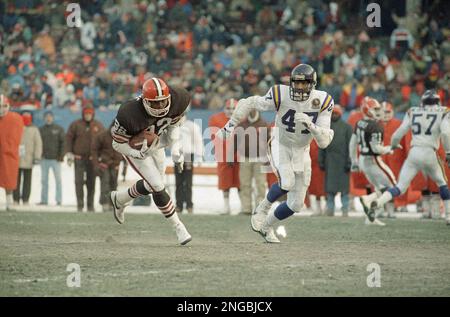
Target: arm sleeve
(353, 148)
(445, 131)
(321, 130)
(125, 149)
(260, 103)
(120, 138)
(401, 131)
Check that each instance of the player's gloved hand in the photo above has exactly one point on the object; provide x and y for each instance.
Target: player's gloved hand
(304, 119)
(226, 131)
(447, 156)
(70, 158)
(354, 167)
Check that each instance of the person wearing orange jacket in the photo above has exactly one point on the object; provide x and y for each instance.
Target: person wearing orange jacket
(225, 154)
(317, 185)
(9, 149)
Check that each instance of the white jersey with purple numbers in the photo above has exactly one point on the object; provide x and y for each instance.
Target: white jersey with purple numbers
(319, 107)
(427, 124)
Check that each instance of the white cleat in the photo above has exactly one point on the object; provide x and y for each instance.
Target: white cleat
(268, 234)
(118, 209)
(259, 215)
(447, 221)
(375, 222)
(182, 234)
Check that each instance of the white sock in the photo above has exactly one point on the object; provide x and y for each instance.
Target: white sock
(264, 205)
(426, 204)
(447, 208)
(390, 208)
(371, 197)
(9, 200)
(435, 204)
(174, 219)
(226, 201)
(123, 197)
(271, 219)
(387, 196)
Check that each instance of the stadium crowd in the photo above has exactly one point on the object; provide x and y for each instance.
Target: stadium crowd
(218, 50)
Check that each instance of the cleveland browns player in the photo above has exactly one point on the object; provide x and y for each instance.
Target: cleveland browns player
(158, 110)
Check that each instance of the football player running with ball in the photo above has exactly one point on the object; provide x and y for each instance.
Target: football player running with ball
(157, 113)
(302, 114)
(428, 123)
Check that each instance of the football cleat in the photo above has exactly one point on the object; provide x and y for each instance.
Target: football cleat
(377, 222)
(369, 211)
(268, 234)
(118, 209)
(257, 221)
(259, 215)
(182, 234)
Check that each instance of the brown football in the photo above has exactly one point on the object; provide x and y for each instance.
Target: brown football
(137, 140)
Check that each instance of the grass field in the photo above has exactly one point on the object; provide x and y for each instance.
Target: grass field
(319, 257)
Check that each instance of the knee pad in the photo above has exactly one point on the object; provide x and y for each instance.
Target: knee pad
(294, 202)
(287, 182)
(141, 187)
(161, 198)
(444, 192)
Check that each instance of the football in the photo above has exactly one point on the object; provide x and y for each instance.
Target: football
(137, 140)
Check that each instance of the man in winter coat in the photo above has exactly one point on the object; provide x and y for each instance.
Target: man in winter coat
(78, 148)
(53, 137)
(335, 161)
(30, 152)
(106, 162)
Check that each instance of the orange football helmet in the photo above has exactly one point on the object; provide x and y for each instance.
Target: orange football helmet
(156, 97)
(371, 109)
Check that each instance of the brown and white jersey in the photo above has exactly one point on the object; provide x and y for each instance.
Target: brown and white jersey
(132, 118)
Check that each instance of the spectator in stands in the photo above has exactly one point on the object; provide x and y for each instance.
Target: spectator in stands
(192, 145)
(78, 148)
(53, 137)
(30, 152)
(106, 163)
(252, 151)
(335, 161)
(352, 95)
(9, 151)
